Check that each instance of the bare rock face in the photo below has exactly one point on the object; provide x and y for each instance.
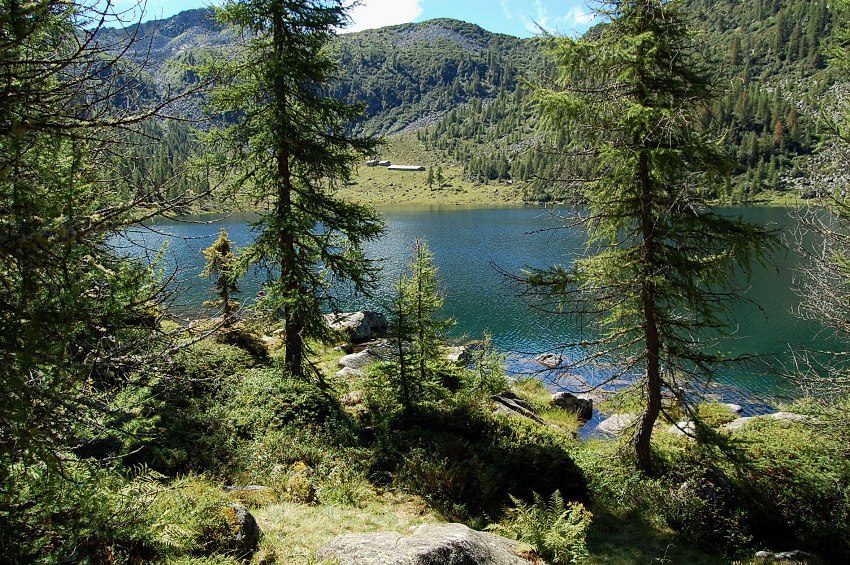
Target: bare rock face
(459, 355)
(430, 544)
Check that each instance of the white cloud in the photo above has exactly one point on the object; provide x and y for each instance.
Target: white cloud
(580, 17)
(370, 14)
(506, 10)
(576, 20)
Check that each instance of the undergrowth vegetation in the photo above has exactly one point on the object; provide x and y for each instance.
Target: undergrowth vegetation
(223, 416)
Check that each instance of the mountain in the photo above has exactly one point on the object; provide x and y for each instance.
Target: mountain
(453, 92)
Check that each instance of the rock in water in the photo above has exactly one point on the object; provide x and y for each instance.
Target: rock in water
(430, 544)
(550, 360)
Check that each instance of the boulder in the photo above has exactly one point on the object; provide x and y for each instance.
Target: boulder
(243, 531)
(359, 361)
(616, 423)
(359, 326)
(550, 360)
(430, 544)
(252, 495)
(581, 407)
(352, 399)
(735, 408)
(459, 355)
(348, 372)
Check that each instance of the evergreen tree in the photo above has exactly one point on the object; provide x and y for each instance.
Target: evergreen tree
(290, 148)
(629, 98)
(221, 266)
(415, 328)
(76, 319)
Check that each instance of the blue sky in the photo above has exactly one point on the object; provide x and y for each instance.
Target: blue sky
(514, 17)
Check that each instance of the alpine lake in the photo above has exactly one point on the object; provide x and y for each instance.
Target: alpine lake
(474, 248)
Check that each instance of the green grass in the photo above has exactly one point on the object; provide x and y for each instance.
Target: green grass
(293, 532)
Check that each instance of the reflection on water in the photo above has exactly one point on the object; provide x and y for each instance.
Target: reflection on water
(471, 246)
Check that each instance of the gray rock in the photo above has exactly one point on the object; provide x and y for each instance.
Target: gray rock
(616, 423)
(359, 361)
(795, 556)
(352, 398)
(430, 544)
(581, 407)
(550, 360)
(348, 372)
(459, 355)
(739, 423)
(735, 408)
(359, 326)
(682, 428)
(512, 405)
(244, 531)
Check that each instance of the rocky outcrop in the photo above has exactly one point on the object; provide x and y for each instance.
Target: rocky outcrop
(358, 361)
(430, 544)
(739, 423)
(581, 407)
(348, 373)
(358, 326)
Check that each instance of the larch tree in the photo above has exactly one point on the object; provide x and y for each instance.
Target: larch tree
(414, 326)
(659, 265)
(77, 319)
(289, 146)
(221, 267)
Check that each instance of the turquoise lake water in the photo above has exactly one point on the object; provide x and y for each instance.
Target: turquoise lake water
(472, 246)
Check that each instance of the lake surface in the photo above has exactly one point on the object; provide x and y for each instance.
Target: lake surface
(471, 246)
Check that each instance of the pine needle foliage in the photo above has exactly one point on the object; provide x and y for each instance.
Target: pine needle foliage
(289, 147)
(659, 268)
(416, 329)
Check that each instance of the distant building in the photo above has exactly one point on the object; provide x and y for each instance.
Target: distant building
(405, 168)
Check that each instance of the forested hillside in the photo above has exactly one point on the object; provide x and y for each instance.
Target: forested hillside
(459, 89)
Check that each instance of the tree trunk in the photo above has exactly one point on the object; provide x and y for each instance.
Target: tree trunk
(293, 325)
(643, 434)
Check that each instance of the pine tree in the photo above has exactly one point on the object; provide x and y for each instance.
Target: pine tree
(657, 257)
(291, 147)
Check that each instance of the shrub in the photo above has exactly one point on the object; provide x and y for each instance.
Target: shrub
(468, 462)
(266, 399)
(796, 486)
(555, 529)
